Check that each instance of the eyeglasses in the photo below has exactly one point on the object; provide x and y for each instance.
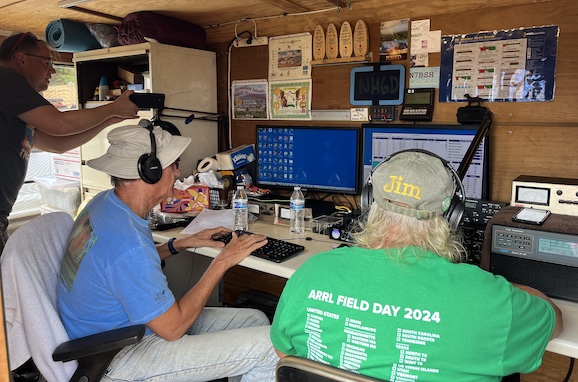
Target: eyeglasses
(50, 62)
(176, 163)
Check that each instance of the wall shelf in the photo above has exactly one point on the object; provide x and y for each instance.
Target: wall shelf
(342, 61)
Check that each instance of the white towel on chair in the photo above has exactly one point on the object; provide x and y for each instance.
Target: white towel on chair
(30, 270)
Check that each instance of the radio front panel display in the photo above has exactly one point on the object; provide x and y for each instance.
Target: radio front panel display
(535, 245)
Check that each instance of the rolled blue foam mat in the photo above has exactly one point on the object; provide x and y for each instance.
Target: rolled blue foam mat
(70, 36)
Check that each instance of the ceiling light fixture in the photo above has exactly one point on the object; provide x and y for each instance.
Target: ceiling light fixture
(71, 3)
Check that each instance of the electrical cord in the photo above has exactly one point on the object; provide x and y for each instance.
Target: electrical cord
(271, 17)
(229, 89)
(250, 36)
(570, 368)
(308, 238)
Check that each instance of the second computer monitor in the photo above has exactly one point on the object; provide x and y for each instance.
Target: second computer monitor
(447, 141)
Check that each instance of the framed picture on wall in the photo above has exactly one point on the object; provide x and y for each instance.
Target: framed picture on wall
(290, 99)
(249, 99)
(290, 57)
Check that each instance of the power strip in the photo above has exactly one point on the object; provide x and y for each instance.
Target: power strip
(255, 41)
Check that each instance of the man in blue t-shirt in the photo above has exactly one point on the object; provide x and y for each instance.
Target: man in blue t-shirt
(28, 120)
(111, 275)
(400, 306)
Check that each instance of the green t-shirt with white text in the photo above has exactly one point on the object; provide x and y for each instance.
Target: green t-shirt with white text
(422, 318)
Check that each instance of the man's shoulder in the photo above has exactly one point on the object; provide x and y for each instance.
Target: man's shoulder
(7, 73)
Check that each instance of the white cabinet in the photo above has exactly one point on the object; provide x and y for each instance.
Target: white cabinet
(187, 77)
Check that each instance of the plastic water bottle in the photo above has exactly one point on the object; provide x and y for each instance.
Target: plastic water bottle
(103, 89)
(297, 206)
(240, 210)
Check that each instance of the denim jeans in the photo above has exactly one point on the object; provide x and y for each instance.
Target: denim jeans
(223, 342)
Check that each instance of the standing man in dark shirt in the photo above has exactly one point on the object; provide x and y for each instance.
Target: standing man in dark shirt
(28, 120)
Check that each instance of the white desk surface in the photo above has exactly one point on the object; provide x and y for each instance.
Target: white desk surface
(320, 243)
(566, 343)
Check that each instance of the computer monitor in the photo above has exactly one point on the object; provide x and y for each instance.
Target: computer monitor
(447, 141)
(322, 159)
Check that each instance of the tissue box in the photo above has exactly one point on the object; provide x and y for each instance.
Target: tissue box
(194, 198)
(237, 157)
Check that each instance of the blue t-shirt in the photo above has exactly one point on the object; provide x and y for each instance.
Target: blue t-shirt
(111, 274)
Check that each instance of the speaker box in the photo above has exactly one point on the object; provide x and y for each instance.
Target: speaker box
(555, 280)
(471, 115)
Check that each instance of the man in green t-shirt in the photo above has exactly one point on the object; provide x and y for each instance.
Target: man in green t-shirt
(400, 306)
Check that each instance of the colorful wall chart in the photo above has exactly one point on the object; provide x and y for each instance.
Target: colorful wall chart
(516, 65)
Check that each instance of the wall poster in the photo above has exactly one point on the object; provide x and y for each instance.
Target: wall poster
(516, 65)
(290, 56)
(250, 99)
(393, 40)
(290, 99)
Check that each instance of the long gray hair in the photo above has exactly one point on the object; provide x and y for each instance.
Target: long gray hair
(379, 228)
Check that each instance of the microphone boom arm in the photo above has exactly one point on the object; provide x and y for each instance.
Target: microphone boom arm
(483, 130)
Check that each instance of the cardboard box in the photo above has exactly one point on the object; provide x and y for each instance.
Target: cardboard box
(130, 75)
(237, 157)
(67, 167)
(194, 198)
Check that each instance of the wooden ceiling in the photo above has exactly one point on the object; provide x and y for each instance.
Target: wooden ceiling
(220, 17)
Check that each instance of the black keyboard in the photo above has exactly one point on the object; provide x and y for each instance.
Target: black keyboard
(275, 250)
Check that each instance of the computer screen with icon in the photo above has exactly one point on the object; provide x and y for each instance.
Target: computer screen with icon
(321, 159)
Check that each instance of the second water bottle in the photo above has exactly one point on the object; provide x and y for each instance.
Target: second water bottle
(297, 206)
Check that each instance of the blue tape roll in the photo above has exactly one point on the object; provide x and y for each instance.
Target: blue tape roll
(70, 36)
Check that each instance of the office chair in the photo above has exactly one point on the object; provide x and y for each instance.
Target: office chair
(30, 270)
(297, 369)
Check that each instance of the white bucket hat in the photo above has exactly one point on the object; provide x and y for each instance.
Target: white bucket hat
(128, 143)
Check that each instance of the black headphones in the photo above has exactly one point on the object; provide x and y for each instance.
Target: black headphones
(455, 212)
(149, 166)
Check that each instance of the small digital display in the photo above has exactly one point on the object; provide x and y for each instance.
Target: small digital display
(418, 98)
(558, 247)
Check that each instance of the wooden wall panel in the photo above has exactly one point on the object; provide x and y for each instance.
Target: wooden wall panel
(527, 138)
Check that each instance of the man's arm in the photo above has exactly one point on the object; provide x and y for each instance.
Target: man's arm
(51, 122)
(172, 324)
(197, 240)
(534, 292)
(281, 355)
(60, 144)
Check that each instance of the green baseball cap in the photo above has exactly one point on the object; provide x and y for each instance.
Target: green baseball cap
(416, 179)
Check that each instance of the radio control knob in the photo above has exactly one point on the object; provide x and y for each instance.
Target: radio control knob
(559, 192)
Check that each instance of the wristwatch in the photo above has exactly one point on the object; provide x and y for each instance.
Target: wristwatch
(171, 247)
